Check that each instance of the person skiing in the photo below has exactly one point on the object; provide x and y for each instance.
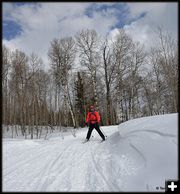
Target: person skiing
(93, 121)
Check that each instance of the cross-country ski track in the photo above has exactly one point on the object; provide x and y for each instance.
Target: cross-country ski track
(138, 155)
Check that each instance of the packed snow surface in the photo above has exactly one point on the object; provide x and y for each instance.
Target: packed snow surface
(138, 155)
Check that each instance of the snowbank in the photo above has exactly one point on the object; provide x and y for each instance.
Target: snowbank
(144, 153)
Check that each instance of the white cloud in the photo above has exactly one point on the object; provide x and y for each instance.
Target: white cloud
(137, 8)
(42, 23)
(163, 15)
(7, 8)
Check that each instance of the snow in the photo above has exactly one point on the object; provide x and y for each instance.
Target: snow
(138, 155)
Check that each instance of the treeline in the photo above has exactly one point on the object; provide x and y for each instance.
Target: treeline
(116, 75)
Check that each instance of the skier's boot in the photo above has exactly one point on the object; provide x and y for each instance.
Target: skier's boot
(86, 140)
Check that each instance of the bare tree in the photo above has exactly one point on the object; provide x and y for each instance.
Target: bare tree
(62, 55)
(18, 84)
(111, 75)
(123, 46)
(169, 64)
(134, 81)
(109, 67)
(5, 73)
(88, 43)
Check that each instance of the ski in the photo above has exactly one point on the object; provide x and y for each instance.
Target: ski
(85, 141)
(102, 141)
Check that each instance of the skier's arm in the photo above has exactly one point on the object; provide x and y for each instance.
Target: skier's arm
(87, 118)
(98, 117)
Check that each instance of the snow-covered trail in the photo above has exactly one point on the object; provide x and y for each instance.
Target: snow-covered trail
(56, 164)
(139, 155)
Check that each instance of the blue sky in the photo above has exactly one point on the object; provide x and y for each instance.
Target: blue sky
(11, 27)
(31, 26)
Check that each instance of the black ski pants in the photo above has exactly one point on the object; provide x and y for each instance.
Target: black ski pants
(96, 126)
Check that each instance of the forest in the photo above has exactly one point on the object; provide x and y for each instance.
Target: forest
(118, 75)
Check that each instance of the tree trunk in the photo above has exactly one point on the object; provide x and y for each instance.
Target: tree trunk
(70, 107)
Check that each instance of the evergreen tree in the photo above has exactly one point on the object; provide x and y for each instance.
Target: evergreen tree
(80, 100)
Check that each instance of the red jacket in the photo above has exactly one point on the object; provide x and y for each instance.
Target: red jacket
(93, 117)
